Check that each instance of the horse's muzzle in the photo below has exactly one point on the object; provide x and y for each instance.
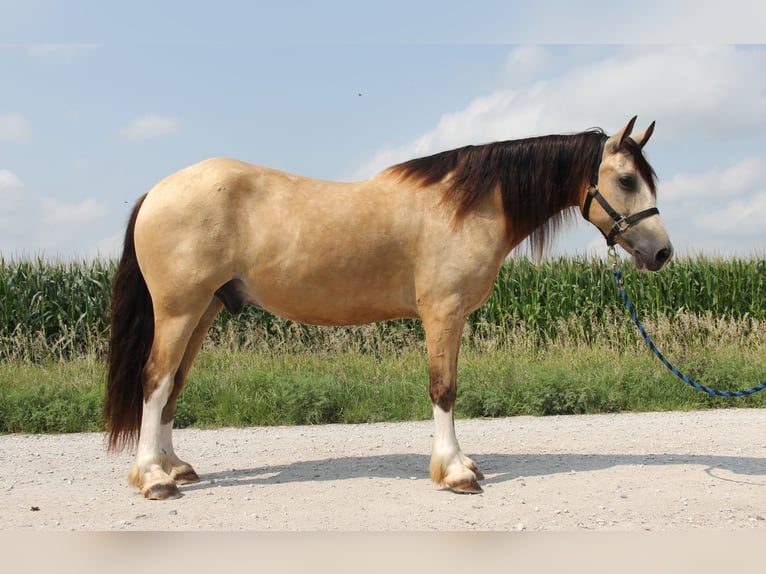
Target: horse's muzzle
(652, 259)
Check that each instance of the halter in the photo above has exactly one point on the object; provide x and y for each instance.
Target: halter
(621, 223)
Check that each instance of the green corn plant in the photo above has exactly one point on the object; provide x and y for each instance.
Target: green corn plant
(59, 310)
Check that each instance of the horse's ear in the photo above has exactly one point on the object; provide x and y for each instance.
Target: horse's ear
(615, 141)
(644, 136)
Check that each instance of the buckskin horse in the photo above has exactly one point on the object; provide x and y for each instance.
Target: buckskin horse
(422, 239)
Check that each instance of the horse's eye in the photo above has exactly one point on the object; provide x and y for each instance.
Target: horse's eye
(627, 182)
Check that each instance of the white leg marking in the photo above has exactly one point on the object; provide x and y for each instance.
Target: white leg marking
(449, 466)
(166, 445)
(151, 441)
(445, 442)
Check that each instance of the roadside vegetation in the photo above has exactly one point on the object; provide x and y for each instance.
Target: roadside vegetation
(553, 339)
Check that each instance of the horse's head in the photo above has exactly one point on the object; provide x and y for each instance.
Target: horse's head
(623, 185)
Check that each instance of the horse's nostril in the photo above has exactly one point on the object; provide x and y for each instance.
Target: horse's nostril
(663, 255)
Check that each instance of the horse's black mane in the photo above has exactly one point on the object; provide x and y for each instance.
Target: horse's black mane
(540, 178)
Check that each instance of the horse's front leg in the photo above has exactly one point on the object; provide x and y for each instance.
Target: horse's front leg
(449, 466)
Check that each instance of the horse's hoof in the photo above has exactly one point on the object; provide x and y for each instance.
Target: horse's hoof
(162, 491)
(466, 486)
(186, 475)
(471, 466)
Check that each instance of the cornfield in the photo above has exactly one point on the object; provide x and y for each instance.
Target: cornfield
(61, 310)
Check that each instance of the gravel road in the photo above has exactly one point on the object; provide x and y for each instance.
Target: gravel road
(675, 471)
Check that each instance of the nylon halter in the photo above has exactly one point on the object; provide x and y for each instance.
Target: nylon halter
(621, 223)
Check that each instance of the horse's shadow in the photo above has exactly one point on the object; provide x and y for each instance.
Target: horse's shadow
(498, 468)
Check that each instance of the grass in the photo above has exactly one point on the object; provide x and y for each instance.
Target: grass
(56, 397)
(239, 387)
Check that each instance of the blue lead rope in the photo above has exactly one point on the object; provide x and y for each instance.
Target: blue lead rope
(661, 357)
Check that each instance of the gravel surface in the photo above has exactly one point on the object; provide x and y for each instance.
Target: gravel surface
(626, 472)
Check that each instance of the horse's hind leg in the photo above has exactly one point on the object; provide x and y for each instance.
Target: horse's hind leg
(449, 466)
(180, 471)
(149, 472)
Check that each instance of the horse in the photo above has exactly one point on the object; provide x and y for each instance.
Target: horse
(423, 239)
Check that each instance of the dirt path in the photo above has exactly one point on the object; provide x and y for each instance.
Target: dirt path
(628, 472)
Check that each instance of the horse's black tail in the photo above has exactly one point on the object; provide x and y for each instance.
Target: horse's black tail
(130, 341)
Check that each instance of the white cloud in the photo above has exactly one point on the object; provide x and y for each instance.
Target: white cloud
(708, 92)
(72, 116)
(108, 247)
(31, 224)
(649, 22)
(150, 126)
(742, 178)
(14, 128)
(56, 214)
(8, 181)
(723, 207)
(703, 97)
(525, 62)
(64, 53)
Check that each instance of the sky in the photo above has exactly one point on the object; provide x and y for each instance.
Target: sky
(99, 101)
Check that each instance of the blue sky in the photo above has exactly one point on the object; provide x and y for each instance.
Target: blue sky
(99, 101)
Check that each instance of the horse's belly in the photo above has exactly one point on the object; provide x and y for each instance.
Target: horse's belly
(320, 305)
(334, 279)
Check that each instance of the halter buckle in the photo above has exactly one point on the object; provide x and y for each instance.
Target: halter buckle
(620, 225)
